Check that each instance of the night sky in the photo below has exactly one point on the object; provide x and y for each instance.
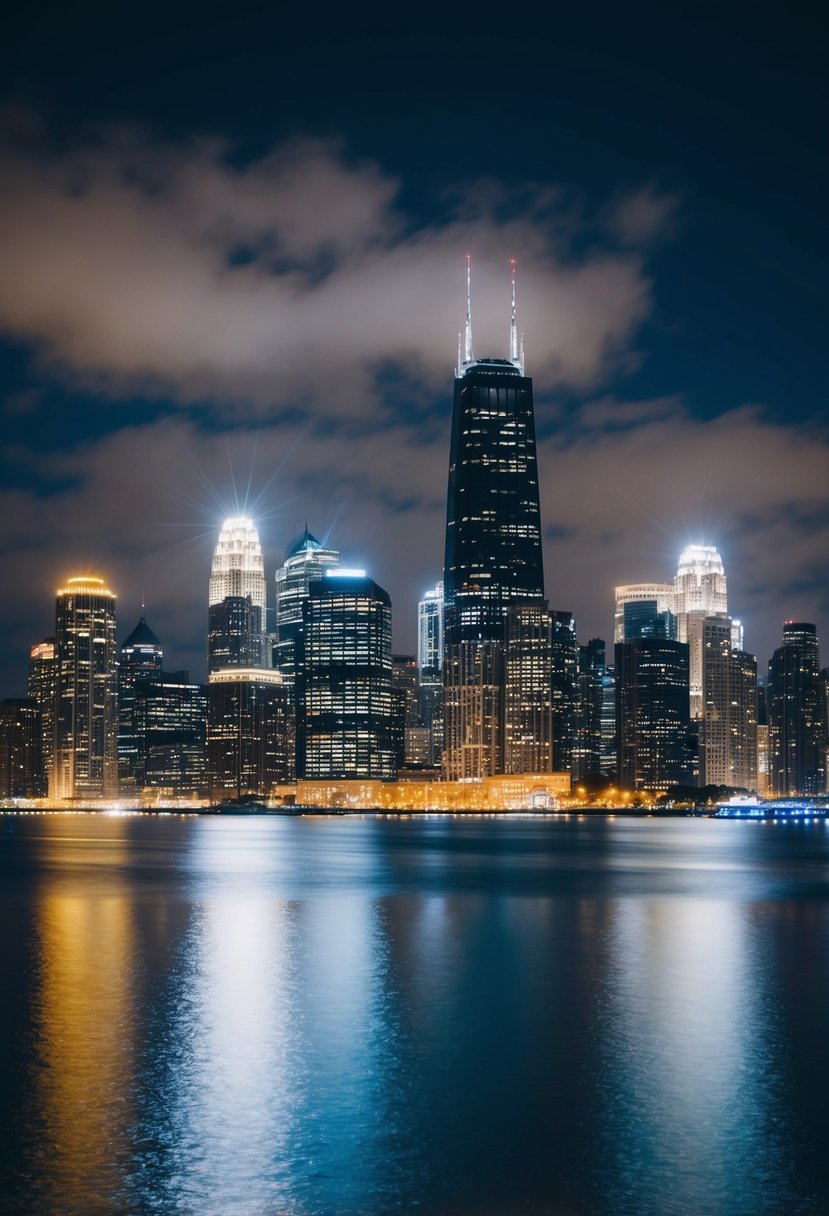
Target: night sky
(233, 272)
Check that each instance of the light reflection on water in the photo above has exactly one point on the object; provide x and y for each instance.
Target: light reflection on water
(264, 1016)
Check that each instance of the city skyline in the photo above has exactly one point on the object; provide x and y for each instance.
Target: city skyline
(230, 316)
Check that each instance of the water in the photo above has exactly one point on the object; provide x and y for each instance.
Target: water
(264, 1017)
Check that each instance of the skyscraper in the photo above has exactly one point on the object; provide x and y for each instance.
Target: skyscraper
(41, 690)
(430, 668)
(528, 699)
(343, 681)
(85, 763)
(564, 682)
(141, 659)
(795, 714)
(587, 741)
(652, 715)
(234, 633)
(22, 773)
(306, 561)
(728, 728)
(238, 570)
(699, 592)
(249, 732)
(170, 722)
(493, 558)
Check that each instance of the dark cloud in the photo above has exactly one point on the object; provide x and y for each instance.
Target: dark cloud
(137, 265)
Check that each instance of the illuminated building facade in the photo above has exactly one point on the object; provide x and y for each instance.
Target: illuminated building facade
(238, 571)
(406, 709)
(170, 723)
(493, 558)
(306, 561)
(528, 702)
(652, 713)
(22, 772)
(659, 595)
(564, 682)
(345, 705)
(85, 764)
(250, 743)
(608, 758)
(700, 591)
(797, 749)
(41, 689)
(234, 633)
(728, 729)
(141, 659)
(587, 743)
(430, 668)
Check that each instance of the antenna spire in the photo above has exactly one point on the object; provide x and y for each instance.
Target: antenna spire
(468, 356)
(516, 349)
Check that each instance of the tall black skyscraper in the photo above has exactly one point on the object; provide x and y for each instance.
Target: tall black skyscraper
(344, 681)
(493, 548)
(795, 713)
(652, 713)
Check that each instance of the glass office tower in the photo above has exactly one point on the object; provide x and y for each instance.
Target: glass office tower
(493, 559)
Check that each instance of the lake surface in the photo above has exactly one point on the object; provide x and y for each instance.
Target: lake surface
(264, 1016)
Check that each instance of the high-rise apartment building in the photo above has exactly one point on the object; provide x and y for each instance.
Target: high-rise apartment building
(170, 724)
(608, 756)
(430, 668)
(587, 737)
(699, 592)
(797, 752)
(22, 772)
(250, 745)
(652, 713)
(306, 561)
(238, 571)
(743, 722)
(41, 690)
(345, 705)
(493, 559)
(564, 679)
(141, 659)
(528, 700)
(85, 762)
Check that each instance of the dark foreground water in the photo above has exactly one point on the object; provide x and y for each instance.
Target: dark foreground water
(320, 1016)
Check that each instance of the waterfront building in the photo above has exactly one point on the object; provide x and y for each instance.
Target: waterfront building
(250, 745)
(406, 707)
(660, 597)
(493, 559)
(797, 750)
(430, 668)
(170, 724)
(22, 771)
(141, 658)
(41, 689)
(344, 680)
(238, 571)
(652, 713)
(700, 592)
(564, 684)
(528, 701)
(234, 633)
(587, 735)
(307, 560)
(607, 760)
(743, 720)
(85, 764)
